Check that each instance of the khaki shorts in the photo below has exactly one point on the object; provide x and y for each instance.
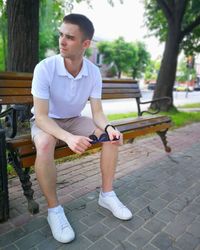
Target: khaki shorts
(80, 125)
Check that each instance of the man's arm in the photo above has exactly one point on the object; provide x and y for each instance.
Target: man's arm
(101, 120)
(78, 144)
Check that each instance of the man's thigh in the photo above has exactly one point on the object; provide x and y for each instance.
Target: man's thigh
(80, 125)
(77, 125)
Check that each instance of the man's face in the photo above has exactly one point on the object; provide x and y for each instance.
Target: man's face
(71, 42)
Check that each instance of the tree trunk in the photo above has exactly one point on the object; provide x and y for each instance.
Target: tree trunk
(167, 73)
(23, 35)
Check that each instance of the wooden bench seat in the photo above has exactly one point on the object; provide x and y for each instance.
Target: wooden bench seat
(15, 90)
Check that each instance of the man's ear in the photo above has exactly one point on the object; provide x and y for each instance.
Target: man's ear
(86, 44)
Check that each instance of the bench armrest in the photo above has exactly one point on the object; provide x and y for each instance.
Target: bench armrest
(10, 123)
(156, 101)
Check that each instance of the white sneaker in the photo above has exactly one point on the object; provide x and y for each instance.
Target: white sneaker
(113, 204)
(60, 227)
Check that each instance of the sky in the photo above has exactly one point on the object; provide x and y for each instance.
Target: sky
(121, 20)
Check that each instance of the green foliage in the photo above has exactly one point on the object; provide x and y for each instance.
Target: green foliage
(119, 53)
(152, 69)
(51, 14)
(88, 52)
(130, 58)
(184, 73)
(2, 62)
(142, 60)
(189, 24)
(3, 35)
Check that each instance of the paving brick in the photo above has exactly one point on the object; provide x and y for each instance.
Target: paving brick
(30, 240)
(147, 213)
(35, 224)
(178, 205)
(125, 245)
(193, 208)
(48, 244)
(140, 238)
(163, 241)
(152, 195)
(134, 224)
(149, 247)
(118, 235)
(96, 232)
(168, 196)
(10, 237)
(9, 247)
(92, 219)
(166, 215)
(101, 245)
(155, 225)
(194, 229)
(158, 204)
(141, 202)
(78, 244)
(187, 241)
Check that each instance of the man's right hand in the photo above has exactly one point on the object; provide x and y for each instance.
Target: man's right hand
(78, 144)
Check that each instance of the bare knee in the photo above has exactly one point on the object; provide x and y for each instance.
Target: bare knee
(45, 144)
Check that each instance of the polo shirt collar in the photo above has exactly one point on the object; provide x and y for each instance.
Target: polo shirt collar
(62, 71)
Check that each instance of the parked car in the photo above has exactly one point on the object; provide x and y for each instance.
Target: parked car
(197, 88)
(183, 87)
(151, 86)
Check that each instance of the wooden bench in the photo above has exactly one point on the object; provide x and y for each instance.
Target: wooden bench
(15, 90)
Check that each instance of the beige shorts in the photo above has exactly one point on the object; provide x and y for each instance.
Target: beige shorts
(80, 125)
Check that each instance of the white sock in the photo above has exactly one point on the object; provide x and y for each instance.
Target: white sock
(107, 194)
(56, 209)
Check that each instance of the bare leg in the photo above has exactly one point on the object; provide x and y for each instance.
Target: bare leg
(45, 167)
(108, 164)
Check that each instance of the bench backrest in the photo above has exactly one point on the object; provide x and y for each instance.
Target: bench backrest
(15, 88)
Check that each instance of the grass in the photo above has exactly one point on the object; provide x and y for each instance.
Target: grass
(190, 105)
(179, 118)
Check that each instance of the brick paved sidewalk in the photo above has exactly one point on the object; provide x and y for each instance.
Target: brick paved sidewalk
(162, 190)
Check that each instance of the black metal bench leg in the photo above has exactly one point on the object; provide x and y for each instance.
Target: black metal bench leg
(163, 137)
(24, 177)
(4, 200)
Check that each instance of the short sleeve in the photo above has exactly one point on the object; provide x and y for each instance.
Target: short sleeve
(40, 82)
(97, 89)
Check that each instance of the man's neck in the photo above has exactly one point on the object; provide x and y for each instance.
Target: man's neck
(73, 66)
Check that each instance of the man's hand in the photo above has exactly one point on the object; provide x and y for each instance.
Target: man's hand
(115, 134)
(78, 144)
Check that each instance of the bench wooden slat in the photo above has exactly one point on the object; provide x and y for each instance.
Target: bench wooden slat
(16, 99)
(121, 85)
(14, 91)
(121, 91)
(16, 75)
(116, 96)
(13, 83)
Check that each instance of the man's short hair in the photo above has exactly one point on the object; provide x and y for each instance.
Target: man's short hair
(83, 22)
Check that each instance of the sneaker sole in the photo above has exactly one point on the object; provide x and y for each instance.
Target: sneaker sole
(62, 241)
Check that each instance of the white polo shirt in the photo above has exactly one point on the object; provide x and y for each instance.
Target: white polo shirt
(67, 95)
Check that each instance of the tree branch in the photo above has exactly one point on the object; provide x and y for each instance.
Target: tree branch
(180, 6)
(190, 27)
(164, 5)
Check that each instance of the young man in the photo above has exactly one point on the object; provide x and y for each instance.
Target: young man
(61, 87)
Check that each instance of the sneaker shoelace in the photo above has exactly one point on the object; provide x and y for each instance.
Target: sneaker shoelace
(63, 220)
(121, 205)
